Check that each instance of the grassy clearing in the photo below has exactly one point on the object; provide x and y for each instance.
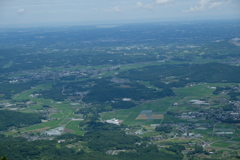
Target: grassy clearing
(224, 126)
(25, 94)
(198, 60)
(10, 63)
(147, 84)
(194, 92)
(73, 125)
(149, 134)
(221, 144)
(51, 124)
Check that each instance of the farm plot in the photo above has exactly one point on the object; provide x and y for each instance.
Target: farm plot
(149, 115)
(133, 115)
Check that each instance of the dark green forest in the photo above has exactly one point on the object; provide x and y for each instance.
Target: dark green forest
(185, 73)
(17, 119)
(9, 89)
(98, 141)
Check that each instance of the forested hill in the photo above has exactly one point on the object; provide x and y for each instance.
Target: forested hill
(99, 139)
(213, 73)
(17, 119)
(209, 72)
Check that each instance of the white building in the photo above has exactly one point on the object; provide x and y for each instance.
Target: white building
(55, 132)
(113, 121)
(126, 99)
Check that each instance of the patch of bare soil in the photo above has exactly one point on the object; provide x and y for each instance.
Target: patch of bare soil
(41, 129)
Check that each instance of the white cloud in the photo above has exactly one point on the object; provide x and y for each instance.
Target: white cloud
(114, 9)
(21, 11)
(154, 4)
(139, 5)
(163, 2)
(146, 6)
(206, 4)
(215, 4)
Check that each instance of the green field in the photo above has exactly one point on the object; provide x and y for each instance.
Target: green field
(73, 125)
(64, 111)
(161, 106)
(128, 116)
(25, 94)
(222, 144)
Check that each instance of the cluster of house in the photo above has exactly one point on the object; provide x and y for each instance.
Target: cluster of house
(16, 105)
(198, 102)
(34, 95)
(213, 113)
(119, 80)
(53, 75)
(221, 115)
(190, 115)
(236, 112)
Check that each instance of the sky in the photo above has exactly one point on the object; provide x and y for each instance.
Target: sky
(49, 12)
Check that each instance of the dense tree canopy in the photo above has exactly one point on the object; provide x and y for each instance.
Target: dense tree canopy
(17, 119)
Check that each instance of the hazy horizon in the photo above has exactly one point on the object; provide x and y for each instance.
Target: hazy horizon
(81, 12)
